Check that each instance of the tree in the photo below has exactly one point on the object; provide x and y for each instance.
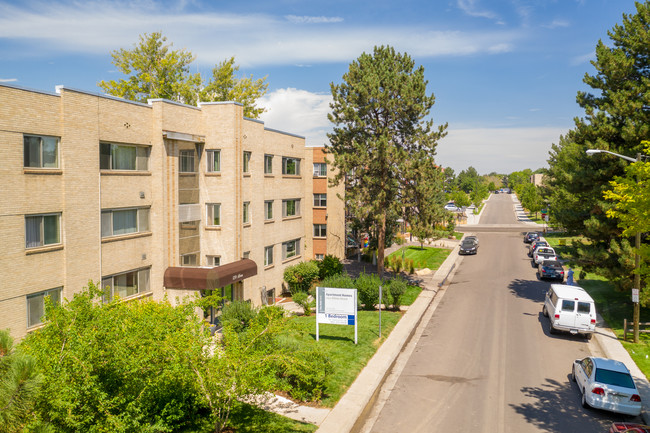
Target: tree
(468, 179)
(460, 198)
(155, 71)
(530, 198)
(617, 118)
(225, 87)
(379, 113)
(450, 179)
(424, 200)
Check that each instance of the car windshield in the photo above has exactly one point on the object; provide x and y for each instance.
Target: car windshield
(616, 378)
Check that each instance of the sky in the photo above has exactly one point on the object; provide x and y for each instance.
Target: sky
(505, 73)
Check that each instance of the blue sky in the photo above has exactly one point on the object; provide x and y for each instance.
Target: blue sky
(505, 73)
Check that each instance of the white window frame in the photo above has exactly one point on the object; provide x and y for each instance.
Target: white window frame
(285, 162)
(185, 157)
(209, 214)
(31, 229)
(246, 162)
(43, 141)
(268, 255)
(246, 212)
(290, 249)
(141, 162)
(268, 210)
(320, 200)
(142, 223)
(285, 206)
(213, 160)
(268, 164)
(320, 169)
(319, 256)
(214, 260)
(36, 301)
(141, 276)
(318, 230)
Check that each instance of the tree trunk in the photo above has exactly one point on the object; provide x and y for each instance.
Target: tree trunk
(381, 244)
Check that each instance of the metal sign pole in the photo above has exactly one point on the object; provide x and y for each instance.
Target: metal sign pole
(380, 293)
(318, 289)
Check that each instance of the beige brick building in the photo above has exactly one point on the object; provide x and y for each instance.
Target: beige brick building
(151, 200)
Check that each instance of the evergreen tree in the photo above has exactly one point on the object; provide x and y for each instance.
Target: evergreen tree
(379, 113)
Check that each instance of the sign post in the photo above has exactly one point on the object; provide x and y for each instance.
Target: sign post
(337, 307)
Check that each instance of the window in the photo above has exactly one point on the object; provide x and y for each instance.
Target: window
(41, 151)
(320, 200)
(320, 230)
(268, 210)
(36, 305)
(123, 157)
(41, 230)
(290, 249)
(214, 161)
(268, 256)
(291, 166)
(290, 207)
(584, 307)
(186, 161)
(247, 160)
(246, 255)
(567, 305)
(268, 164)
(126, 284)
(320, 256)
(320, 169)
(214, 260)
(117, 222)
(246, 212)
(188, 259)
(214, 214)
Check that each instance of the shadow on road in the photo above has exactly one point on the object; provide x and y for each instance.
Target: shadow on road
(529, 289)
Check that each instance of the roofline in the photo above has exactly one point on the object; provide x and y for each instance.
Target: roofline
(27, 89)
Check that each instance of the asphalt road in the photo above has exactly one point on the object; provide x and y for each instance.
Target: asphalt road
(485, 361)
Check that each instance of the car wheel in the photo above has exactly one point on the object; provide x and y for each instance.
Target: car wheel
(584, 400)
(551, 329)
(544, 311)
(588, 336)
(573, 373)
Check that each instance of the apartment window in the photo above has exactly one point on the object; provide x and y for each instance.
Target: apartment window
(320, 169)
(214, 161)
(291, 166)
(117, 222)
(246, 212)
(320, 230)
(268, 164)
(123, 157)
(320, 200)
(36, 305)
(268, 255)
(186, 161)
(290, 207)
(268, 210)
(290, 248)
(319, 256)
(246, 255)
(247, 160)
(214, 214)
(188, 260)
(125, 284)
(214, 260)
(40, 151)
(41, 230)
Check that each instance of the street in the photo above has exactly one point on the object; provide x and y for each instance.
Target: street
(485, 360)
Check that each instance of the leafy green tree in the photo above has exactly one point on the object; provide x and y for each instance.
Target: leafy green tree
(424, 199)
(479, 193)
(460, 198)
(450, 179)
(154, 70)
(379, 113)
(468, 179)
(492, 186)
(531, 198)
(616, 119)
(224, 86)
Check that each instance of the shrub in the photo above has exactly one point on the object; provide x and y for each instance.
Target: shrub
(397, 288)
(304, 372)
(410, 264)
(397, 266)
(238, 314)
(300, 277)
(302, 299)
(368, 290)
(330, 265)
(341, 281)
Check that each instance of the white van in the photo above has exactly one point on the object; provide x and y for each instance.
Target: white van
(571, 309)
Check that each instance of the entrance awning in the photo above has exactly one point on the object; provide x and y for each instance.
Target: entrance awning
(208, 278)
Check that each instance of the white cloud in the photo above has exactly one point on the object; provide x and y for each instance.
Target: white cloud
(298, 112)
(471, 8)
(557, 23)
(8, 80)
(255, 39)
(585, 58)
(502, 150)
(313, 20)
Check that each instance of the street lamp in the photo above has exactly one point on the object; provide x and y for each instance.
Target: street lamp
(637, 259)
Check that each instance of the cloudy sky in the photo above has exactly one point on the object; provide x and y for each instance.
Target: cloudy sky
(505, 73)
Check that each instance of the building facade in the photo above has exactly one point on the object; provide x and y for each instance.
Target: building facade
(150, 200)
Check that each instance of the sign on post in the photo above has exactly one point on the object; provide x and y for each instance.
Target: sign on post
(635, 295)
(337, 307)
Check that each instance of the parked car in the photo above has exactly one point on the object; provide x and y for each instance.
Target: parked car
(452, 207)
(551, 270)
(472, 238)
(531, 236)
(570, 309)
(468, 247)
(606, 384)
(544, 253)
(541, 242)
(628, 427)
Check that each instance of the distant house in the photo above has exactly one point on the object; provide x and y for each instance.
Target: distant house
(537, 179)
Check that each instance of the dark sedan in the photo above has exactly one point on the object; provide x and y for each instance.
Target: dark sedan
(531, 236)
(468, 246)
(550, 270)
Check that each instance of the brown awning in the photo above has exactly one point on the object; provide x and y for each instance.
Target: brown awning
(206, 278)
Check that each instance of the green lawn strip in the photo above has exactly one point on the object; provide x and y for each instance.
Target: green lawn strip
(347, 358)
(411, 294)
(426, 257)
(250, 419)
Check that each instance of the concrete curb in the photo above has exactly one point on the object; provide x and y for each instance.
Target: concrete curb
(350, 408)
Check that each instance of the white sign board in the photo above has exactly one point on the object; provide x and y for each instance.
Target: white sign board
(635, 295)
(337, 307)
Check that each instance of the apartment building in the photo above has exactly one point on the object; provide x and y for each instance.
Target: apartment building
(151, 200)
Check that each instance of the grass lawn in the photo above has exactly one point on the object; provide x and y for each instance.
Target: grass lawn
(251, 419)
(426, 257)
(411, 294)
(347, 358)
